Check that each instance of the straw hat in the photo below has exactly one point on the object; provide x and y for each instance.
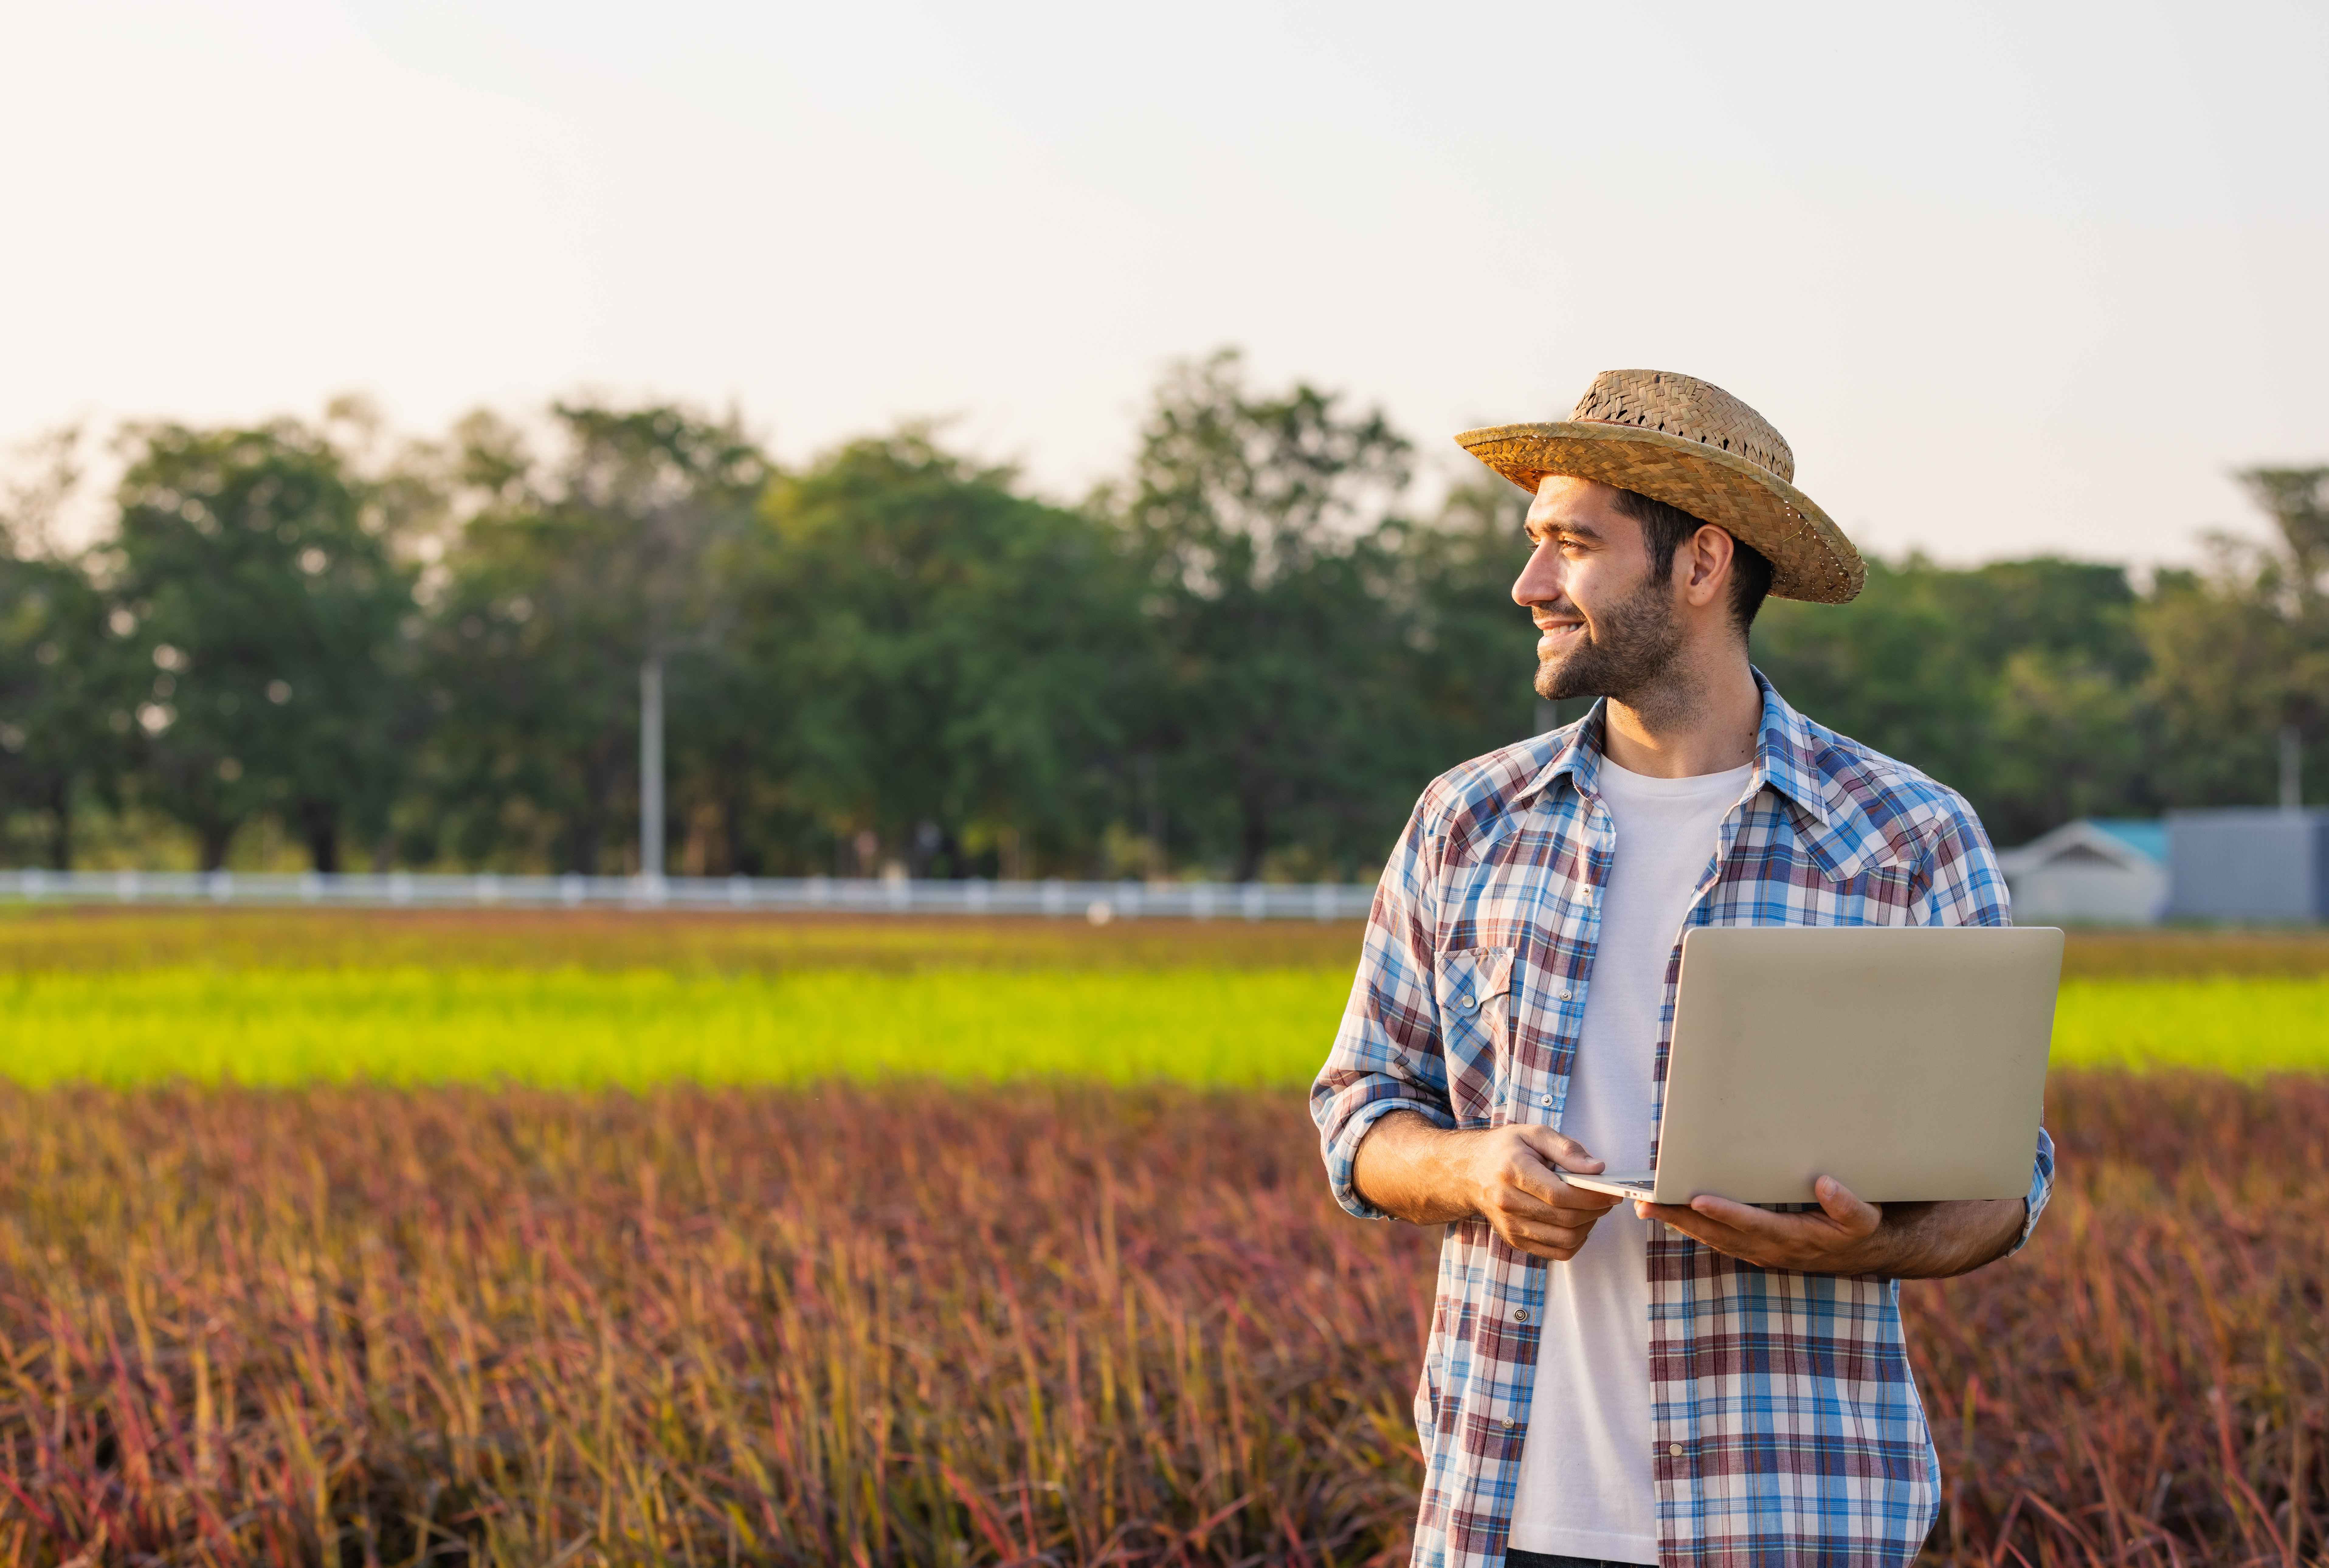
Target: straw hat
(1690, 444)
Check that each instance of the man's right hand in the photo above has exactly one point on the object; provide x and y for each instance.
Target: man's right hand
(1503, 1175)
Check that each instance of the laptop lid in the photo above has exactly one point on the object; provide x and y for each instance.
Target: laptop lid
(1909, 1063)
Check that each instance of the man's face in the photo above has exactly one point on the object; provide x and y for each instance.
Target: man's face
(1605, 623)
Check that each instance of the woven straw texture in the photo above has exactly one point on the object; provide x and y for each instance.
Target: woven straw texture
(1692, 445)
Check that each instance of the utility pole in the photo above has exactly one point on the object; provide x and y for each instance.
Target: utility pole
(651, 768)
(2292, 758)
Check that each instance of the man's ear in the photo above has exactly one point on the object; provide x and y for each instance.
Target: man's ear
(1710, 556)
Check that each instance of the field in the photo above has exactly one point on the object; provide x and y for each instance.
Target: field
(576, 1000)
(752, 1307)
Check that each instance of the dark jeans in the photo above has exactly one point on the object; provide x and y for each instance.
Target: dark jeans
(1516, 1558)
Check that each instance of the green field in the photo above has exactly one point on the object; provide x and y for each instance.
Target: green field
(580, 1028)
(557, 1001)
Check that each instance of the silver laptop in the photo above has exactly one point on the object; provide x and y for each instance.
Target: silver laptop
(1908, 1062)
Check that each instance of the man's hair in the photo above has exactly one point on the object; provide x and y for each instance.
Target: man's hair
(1664, 529)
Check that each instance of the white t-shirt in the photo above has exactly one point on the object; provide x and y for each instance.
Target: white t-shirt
(1585, 1480)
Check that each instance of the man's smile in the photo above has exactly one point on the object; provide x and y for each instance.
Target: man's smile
(1553, 636)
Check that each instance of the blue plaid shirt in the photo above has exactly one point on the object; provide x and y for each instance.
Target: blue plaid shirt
(1786, 1421)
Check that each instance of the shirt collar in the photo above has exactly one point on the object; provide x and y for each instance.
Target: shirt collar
(1785, 756)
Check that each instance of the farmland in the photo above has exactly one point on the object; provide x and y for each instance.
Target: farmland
(573, 1254)
(574, 1001)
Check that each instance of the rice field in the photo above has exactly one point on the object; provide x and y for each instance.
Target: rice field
(576, 1029)
(596, 1239)
(576, 1001)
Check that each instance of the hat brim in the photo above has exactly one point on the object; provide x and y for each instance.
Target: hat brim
(1810, 557)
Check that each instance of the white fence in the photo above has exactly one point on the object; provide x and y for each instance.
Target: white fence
(1094, 900)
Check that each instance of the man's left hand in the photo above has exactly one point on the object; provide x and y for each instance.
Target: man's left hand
(1846, 1236)
(1842, 1236)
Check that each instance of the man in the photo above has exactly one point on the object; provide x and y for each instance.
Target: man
(1712, 1383)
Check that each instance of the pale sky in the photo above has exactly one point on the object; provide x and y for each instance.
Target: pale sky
(2009, 277)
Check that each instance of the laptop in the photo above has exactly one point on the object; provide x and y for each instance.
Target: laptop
(1908, 1062)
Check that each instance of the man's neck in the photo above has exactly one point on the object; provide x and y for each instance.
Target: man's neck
(1702, 719)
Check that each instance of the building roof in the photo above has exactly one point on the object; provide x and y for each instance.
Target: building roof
(2145, 836)
(2124, 843)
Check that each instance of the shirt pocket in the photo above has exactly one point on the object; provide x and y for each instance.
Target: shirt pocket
(1472, 988)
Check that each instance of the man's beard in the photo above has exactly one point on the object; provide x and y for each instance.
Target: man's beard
(1630, 649)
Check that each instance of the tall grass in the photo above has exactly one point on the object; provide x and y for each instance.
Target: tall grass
(2148, 1383)
(1074, 1325)
(361, 1325)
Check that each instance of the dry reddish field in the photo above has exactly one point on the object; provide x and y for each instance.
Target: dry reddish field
(101, 936)
(1027, 1324)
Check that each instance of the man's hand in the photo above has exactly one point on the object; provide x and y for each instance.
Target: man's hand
(1503, 1175)
(1846, 1236)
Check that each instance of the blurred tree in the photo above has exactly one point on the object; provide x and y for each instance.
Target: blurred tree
(63, 719)
(1467, 657)
(2297, 502)
(564, 580)
(1893, 669)
(249, 573)
(62, 680)
(938, 660)
(1244, 657)
(1258, 523)
(2018, 683)
(2241, 651)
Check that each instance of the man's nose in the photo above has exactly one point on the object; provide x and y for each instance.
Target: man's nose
(1539, 580)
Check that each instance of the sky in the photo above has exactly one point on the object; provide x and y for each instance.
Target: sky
(2010, 278)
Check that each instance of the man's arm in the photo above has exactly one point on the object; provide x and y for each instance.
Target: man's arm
(1847, 1236)
(1505, 1174)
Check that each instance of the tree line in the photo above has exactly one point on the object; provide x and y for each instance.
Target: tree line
(1242, 659)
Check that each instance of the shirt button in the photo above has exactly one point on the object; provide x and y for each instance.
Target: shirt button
(1675, 1449)
(1565, 995)
(1520, 1315)
(1466, 999)
(1508, 1424)
(1548, 1099)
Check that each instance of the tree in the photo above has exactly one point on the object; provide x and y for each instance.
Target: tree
(937, 660)
(250, 571)
(2241, 651)
(565, 582)
(1257, 520)
(2297, 502)
(2019, 682)
(63, 716)
(61, 681)
(1461, 679)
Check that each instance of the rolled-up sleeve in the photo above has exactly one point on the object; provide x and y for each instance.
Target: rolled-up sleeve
(1387, 1053)
(2041, 1187)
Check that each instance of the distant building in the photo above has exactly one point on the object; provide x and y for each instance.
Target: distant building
(2253, 863)
(2099, 870)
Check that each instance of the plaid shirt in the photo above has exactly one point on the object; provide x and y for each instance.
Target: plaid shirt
(1787, 1424)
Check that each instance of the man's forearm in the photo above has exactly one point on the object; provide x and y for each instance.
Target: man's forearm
(1846, 1234)
(1428, 1175)
(1508, 1176)
(1412, 1170)
(1937, 1241)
